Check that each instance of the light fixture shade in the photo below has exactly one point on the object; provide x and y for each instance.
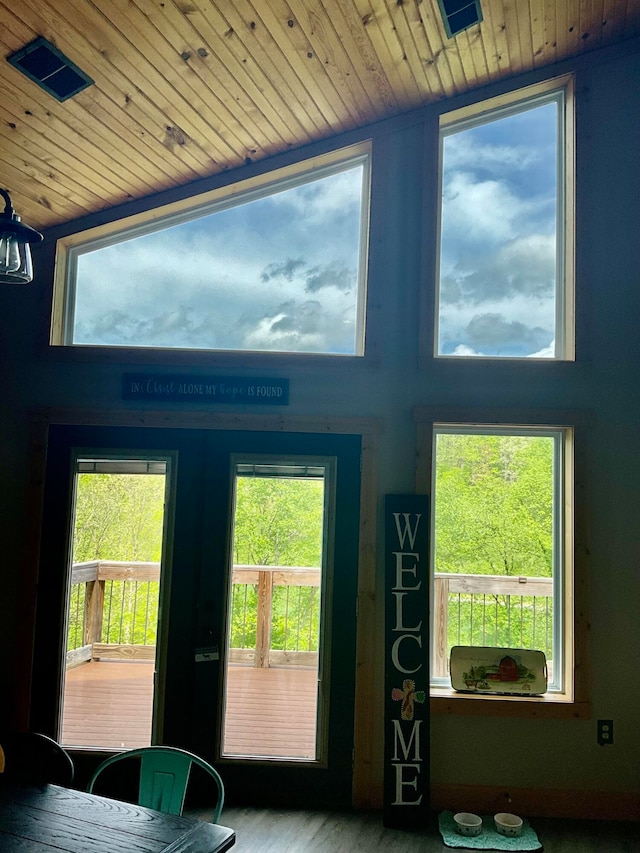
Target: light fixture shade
(15, 254)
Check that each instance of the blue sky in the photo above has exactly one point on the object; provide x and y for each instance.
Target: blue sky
(276, 273)
(497, 292)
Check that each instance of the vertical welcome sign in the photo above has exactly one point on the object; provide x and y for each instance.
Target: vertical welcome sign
(406, 752)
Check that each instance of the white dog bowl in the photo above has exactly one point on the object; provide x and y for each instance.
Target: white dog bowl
(468, 824)
(508, 824)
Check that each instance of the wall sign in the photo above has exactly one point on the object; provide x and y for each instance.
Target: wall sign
(205, 389)
(406, 748)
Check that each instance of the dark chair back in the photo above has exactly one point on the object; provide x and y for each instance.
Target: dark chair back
(35, 759)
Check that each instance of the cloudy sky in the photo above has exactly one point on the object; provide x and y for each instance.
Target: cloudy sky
(277, 273)
(498, 237)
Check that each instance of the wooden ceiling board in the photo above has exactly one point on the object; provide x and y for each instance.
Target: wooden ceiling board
(355, 40)
(115, 65)
(45, 165)
(227, 76)
(90, 165)
(336, 61)
(258, 55)
(301, 66)
(386, 42)
(185, 89)
(124, 128)
(172, 76)
(423, 48)
(494, 37)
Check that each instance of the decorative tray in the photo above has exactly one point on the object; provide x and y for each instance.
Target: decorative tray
(489, 669)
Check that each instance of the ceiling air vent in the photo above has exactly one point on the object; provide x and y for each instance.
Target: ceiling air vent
(459, 15)
(50, 69)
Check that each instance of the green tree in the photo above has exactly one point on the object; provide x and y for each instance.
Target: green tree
(278, 522)
(494, 516)
(119, 517)
(494, 504)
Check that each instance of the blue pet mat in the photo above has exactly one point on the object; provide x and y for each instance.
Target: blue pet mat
(489, 839)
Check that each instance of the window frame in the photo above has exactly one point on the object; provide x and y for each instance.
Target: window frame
(512, 102)
(572, 700)
(225, 196)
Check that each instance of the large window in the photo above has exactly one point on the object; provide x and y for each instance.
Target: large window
(502, 534)
(505, 277)
(277, 264)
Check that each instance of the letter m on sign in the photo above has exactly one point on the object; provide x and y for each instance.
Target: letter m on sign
(406, 701)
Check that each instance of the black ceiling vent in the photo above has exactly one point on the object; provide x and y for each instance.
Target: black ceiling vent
(459, 15)
(50, 69)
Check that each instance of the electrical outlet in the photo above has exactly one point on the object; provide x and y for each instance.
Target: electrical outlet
(605, 732)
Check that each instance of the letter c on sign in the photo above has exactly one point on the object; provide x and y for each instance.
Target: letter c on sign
(395, 649)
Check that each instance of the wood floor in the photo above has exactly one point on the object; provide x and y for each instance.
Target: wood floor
(290, 831)
(269, 711)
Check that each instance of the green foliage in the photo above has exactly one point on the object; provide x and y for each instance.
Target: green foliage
(494, 516)
(501, 620)
(278, 522)
(295, 622)
(118, 517)
(131, 612)
(494, 496)
(76, 616)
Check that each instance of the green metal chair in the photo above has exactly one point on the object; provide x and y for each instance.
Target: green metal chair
(164, 776)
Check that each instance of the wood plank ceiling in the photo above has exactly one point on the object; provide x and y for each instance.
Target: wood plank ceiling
(188, 88)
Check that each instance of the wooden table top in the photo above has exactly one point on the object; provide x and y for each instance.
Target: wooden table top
(51, 819)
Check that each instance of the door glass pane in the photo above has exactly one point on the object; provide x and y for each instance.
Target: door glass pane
(273, 670)
(113, 596)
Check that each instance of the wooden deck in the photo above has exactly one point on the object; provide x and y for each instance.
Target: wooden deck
(270, 712)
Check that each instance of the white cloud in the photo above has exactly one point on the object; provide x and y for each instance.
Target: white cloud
(218, 284)
(463, 150)
(498, 248)
(478, 215)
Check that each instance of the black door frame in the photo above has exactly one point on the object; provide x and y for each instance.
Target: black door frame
(366, 784)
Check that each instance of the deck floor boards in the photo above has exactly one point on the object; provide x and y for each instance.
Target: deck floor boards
(270, 712)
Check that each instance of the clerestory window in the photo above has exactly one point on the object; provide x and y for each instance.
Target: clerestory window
(272, 264)
(505, 276)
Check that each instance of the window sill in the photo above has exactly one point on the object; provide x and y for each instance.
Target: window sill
(444, 700)
(213, 359)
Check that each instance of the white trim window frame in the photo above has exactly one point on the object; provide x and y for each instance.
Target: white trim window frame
(314, 282)
(560, 687)
(562, 347)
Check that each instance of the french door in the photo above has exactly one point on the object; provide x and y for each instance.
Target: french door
(255, 555)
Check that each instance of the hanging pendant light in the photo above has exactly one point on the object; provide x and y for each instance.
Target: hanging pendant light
(15, 254)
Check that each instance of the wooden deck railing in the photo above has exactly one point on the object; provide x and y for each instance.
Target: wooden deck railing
(124, 616)
(113, 613)
(490, 610)
(268, 579)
